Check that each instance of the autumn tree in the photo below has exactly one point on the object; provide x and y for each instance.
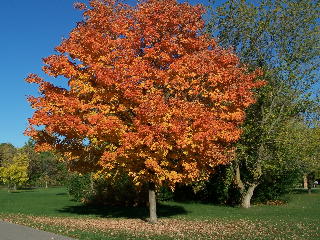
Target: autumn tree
(282, 37)
(149, 94)
(15, 171)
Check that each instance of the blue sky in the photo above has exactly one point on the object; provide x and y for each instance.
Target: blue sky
(29, 31)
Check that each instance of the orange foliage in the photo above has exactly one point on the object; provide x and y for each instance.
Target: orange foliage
(149, 94)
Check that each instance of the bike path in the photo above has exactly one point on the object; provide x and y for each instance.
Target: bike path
(11, 231)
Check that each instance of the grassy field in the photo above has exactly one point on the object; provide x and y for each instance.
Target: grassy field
(52, 210)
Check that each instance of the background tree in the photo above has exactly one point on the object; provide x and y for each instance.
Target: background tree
(299, 143)
(15, 172)
(45, 168)
(7, 152)
(282, 37)
(149, 95)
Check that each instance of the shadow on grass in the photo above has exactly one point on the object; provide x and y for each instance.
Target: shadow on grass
(27, 188)
(123, 212)
(19, 191)
(62, 194)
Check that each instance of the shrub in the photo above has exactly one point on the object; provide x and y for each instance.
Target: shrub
(79, 187)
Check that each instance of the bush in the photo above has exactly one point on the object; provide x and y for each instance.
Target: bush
(79, 187)
(275, 185)
(119, 191)
(106, 191)
(218, 189)
(165, 194)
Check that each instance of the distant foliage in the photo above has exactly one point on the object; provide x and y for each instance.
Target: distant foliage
(14, 172)
(7, 152)
(45, 168)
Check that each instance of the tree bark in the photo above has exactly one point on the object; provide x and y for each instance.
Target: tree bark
(246, 190)
(305, 181)
(46, 184)
(310, 182)
(14, 187)
(237, 178)
(247, 195)
(152, 204)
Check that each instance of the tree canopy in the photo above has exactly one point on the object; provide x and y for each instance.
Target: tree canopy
(281, 37)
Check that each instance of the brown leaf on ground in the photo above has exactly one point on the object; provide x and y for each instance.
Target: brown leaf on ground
(176, 228)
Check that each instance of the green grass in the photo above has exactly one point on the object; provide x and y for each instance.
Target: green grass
(299, 219)
(299, 206)
(48, 202)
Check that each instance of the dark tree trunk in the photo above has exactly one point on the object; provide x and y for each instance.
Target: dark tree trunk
(152, 204)
(310, 178)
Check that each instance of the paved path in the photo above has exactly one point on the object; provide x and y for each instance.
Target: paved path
(10, 231)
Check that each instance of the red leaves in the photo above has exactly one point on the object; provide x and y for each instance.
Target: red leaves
(149, 93)
(33, 78)
(80, 6)
(59, 65)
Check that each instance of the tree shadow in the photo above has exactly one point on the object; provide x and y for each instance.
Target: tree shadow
(20, 191)
(62, 194)
(163, 210)
(27, 188)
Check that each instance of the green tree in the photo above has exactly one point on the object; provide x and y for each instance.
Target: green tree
(299, 145)
(44, 168)
(282, 37)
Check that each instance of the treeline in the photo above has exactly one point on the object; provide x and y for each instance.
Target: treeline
(25, 168)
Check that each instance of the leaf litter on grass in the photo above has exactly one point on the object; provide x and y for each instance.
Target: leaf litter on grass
(178, 228)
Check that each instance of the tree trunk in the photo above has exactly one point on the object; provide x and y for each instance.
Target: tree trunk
(152, 204)
(247, 195)
(305, 181)
(46, 184)
(14, 187)
(310, 182)
(237, 178)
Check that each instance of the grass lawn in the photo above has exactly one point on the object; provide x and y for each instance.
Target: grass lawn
(52, 210)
